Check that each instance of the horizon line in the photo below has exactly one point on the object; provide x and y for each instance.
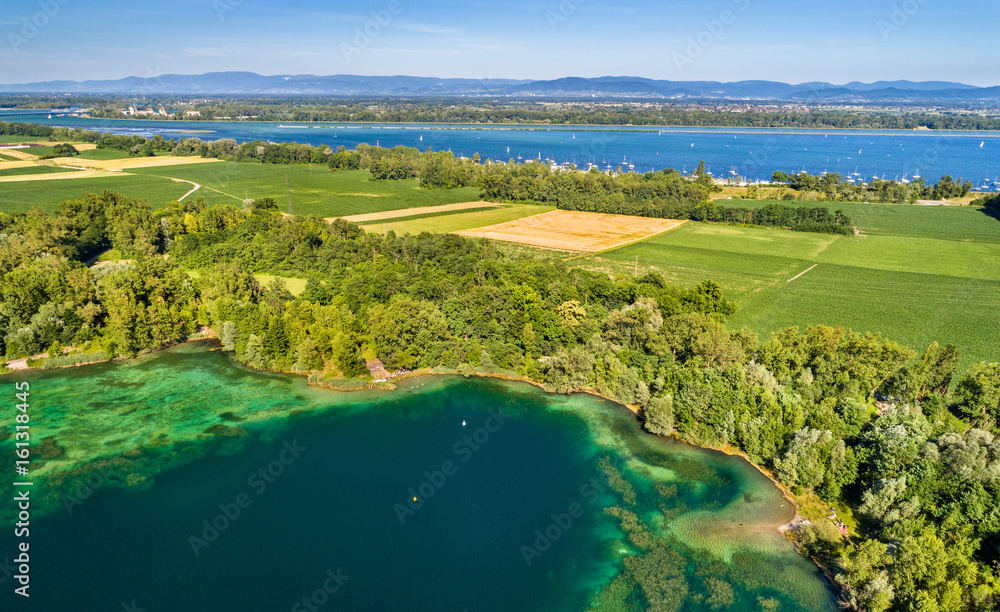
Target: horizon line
(488, 79)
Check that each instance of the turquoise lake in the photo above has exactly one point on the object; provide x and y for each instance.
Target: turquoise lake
(184, 482)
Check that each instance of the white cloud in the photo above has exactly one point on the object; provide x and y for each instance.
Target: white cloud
(425, 28)
(203, 52)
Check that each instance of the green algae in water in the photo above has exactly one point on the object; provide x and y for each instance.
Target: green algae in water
(150, 450)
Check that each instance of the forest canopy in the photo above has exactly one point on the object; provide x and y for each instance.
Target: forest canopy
(898, 436)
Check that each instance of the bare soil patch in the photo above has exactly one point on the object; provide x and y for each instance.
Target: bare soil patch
(575, 231)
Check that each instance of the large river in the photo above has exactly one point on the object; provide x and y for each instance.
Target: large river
(187, 483)
(747, 153)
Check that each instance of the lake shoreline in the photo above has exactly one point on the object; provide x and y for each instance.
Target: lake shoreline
(684, 129)
(636, 410)
(729, 450)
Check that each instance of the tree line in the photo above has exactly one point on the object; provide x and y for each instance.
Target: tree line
(553, 113)
(665, 194)
(835, 186)
(900, 437)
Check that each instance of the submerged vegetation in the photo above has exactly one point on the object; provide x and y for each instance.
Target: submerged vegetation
(855, 418)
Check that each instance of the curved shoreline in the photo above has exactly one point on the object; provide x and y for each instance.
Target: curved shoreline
(634, 408)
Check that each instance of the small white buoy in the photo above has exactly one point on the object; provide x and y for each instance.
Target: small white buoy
(463, 423)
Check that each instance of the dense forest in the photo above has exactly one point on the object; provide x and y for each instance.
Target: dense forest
(897, 435)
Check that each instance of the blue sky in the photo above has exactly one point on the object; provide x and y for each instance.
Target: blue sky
(725, 40)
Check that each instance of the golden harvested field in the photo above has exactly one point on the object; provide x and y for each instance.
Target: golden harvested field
(19, 154)
(566, 230)
(10, 165)
(59, 176)
(411, 212)
(131, 163)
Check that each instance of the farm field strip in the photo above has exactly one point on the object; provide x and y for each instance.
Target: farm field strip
(131, 163)
(19, 154)
(460, 221)
(56, 176)
(409, 212)
(21, 163)
(33, 169)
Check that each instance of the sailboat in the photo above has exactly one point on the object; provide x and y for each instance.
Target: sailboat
(982, 144)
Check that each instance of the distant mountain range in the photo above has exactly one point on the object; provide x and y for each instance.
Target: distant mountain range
(249, 83)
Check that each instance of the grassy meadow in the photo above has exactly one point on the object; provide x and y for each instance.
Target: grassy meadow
(26, 170)
(23, 195)
(917, 274)
(315, 190)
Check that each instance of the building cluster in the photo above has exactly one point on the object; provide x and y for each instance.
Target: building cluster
(148, 112)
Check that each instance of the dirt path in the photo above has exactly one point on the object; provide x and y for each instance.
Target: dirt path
(196, 188)
(18, 364)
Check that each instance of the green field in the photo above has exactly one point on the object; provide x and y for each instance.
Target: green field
(7, 158)
(940, 282)
(102, 154)
(946, 222)
(295, 286)
(22, 195)
(315, 190)
(20, 139)
(41, 151)
(455, 222)
(33, 170)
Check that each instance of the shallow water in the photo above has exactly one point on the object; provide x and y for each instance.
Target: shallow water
(160, 454)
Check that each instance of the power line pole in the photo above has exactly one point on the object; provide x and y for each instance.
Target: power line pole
(288, 185)
(636, 273)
